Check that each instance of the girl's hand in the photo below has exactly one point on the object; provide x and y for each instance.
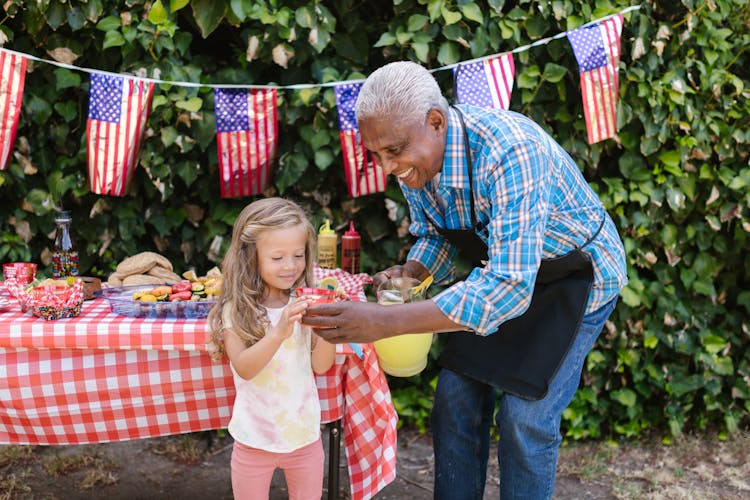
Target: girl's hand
(291, 314)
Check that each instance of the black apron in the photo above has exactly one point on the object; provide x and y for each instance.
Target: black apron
(524, 354)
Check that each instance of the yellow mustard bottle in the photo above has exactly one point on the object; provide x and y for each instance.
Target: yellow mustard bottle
(327, 242)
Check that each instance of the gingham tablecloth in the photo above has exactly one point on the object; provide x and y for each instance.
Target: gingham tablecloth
(103, 377)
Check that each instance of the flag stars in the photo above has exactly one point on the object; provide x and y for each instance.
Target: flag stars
(471, 85)
(346, 99)
(588, 47)
(105, 97)
(232, 107)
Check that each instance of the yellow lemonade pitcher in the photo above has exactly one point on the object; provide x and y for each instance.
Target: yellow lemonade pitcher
(402, 355)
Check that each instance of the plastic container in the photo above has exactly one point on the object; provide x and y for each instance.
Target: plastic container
(351, 246)
(402, 355)
(327, 243)
(121, 302)
(64, 251)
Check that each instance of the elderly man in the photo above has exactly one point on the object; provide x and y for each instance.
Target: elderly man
(548, 268)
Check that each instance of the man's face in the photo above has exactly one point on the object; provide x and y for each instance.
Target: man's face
(413, 154)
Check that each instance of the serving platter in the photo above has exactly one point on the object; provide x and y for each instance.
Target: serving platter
(121, 302)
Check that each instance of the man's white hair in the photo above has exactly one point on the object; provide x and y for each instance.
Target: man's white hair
(400, 90)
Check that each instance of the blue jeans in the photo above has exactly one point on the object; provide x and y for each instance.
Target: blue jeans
(529, 430)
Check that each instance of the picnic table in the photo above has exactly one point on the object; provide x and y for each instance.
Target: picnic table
(102, 377)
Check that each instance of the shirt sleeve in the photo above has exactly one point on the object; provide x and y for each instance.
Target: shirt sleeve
(517, 188)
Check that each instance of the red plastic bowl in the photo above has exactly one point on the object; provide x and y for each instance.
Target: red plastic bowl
(22, 273)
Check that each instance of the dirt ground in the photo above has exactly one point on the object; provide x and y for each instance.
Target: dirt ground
(196, 466)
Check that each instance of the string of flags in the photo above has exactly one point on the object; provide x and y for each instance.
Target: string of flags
(246, 116)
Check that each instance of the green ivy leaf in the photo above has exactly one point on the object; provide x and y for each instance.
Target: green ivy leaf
(56, 15)
(650, 342)
(168, 136)
(157, 14)
(434, 8)
(113, 39)
(175, 5)
(528, 79)
(625, 397)
(323, 158)
(630, 298)
(304, 17)
(743, 299)
(76, 19)
(554, 72)
(449, 16)
(422, 51)
(385, 40)
(416, 22)
(448, 53)
(64, 78)
(472, 11)
(713, 343)
(208, 14)
(109, 23)
(536, 26)
(67, 109)
(194, 104)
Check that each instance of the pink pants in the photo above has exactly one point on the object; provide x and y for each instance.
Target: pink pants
(252, 471)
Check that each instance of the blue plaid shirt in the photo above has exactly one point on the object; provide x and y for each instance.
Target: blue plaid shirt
(531, 203)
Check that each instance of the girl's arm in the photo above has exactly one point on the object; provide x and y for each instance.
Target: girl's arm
(249, 361)
(323, 354)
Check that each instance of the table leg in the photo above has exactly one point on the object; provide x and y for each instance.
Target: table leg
(334, 446)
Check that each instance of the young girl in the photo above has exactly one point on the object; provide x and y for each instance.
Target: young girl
(276, 417)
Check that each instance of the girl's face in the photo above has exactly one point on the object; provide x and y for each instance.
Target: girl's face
(281, 258)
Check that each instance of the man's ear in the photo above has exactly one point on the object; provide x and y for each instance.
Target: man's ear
(436, 120)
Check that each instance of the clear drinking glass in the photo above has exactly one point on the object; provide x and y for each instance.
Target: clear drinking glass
(402, 355)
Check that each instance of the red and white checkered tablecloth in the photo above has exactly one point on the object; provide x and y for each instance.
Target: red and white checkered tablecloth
(102, 377)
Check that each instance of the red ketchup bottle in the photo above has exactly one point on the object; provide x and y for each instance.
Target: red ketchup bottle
(351, 245)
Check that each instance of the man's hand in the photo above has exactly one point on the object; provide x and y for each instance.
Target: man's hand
(366, 322)
(346, 321)
(410, 269)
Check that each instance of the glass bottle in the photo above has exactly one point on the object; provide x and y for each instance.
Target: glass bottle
(64, 251)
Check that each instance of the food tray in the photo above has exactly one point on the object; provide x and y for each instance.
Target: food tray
(121, 302)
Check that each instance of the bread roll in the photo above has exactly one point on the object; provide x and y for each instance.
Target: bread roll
(140, 263)
(142, 279)
(165, 274)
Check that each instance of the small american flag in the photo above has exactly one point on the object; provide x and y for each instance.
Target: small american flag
(118, 110)
(487, 83)
(13, 76)
(246, 137)
(597, 51)
(363, 175)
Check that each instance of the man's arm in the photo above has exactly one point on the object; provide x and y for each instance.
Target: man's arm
(368, 321)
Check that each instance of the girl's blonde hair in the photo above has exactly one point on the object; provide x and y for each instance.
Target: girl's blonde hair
(242, 286)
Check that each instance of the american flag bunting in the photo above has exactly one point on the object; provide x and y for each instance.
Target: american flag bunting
(118, 111)
(247, 138)
(597, 51)
(12, 79)
(487, 83)
(363, 175)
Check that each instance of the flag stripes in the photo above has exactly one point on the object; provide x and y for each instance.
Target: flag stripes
(597, 51)
(486, 83)
(118, 111)
(363, 175)
(247, 137)
(12, 79)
